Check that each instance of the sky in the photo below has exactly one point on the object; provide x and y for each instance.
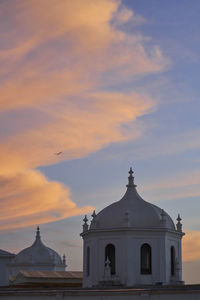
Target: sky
(110, 84)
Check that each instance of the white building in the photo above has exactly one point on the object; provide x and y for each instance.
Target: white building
(37, 257)
(131, 242)
(5, 259)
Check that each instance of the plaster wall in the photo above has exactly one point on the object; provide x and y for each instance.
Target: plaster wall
(174, 241)
(127, 253)
(4, 273)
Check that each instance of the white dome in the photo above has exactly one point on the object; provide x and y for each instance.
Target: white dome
(38, 253)
(132, 211)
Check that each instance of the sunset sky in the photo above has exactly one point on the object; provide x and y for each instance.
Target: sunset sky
(111, 84)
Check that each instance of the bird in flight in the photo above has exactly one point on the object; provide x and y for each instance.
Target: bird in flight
(58, 153)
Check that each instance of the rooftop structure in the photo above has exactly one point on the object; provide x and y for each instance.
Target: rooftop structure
(131, 242)
(37, 257)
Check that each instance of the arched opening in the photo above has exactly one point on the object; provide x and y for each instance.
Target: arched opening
(110, 254)
(172, 254)
(145, 256)
(88, 261)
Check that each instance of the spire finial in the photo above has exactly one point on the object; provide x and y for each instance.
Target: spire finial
(64, 259)
(107, 269)
(163, 217)
(38, 233)
(131, 171)
(94, 214)
(131, 179)
(179, 218)
(179, 225)
(85, 224)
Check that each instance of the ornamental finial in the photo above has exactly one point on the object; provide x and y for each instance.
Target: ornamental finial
(179, 218)
(131, 179)
(64, 259)
(38, 233)
(131, 171)
(94, 214)
(85, 225)
(107, 269)
(163, 217)
(179, 225)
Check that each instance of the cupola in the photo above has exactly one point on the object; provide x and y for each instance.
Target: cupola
(37, 257)
(132, 211)
(131, 242)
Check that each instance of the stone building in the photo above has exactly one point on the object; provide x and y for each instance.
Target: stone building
(37, 257)
(131, 242)
(5, 259)
(132, 249)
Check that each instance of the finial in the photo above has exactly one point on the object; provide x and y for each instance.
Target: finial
(93, 222)
(179, 218)
(179, 225)
(127, 218)
(38, 233)
(85, 225)
(131, 171)
(93, 214)
(85, 220)
(163, 216)
(131, 179)
(107, 269)
(64, 259)
(107, 262)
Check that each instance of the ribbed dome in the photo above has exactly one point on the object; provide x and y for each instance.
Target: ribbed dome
(132, 211)
(38, 253)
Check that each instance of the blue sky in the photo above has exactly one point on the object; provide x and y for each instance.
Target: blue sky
(111, 85)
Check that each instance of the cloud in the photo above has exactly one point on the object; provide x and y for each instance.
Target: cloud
(191, 246)
(28, 198)
(178, 180)
(75, 130)
(67, 49)
(124, 15)
(61, 65)
(181, 185)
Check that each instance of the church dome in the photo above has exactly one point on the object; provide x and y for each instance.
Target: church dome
(38, 253)
(132, 211)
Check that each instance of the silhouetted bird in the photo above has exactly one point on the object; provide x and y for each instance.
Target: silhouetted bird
(58, 153)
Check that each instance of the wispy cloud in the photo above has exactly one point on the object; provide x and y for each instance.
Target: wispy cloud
(182, 185)
(58, 59)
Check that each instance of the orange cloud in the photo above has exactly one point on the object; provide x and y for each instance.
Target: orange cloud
(67, 49)
(191, 246)
(75, 130)
(59, 60)
(181, 185)
(28, 198)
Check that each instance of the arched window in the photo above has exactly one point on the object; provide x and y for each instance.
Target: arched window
(110, 254)
(88, 261)
(172, 254)
(145, 259)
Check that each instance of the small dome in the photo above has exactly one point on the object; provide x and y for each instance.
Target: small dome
(132, 211)
(38, 253)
